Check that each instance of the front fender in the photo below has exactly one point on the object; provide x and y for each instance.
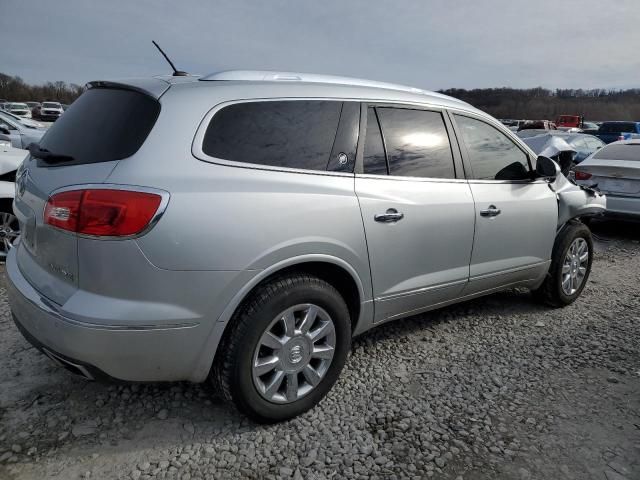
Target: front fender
(576, 201)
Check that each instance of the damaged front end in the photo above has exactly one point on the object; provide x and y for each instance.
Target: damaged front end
(576, 200)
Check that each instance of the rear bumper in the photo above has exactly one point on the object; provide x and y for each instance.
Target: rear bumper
(158, 353)
(622, 206)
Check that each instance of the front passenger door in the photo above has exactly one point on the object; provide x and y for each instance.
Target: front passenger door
(515, 217)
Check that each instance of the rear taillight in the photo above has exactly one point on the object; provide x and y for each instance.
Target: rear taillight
(582, 175)
(102, 212)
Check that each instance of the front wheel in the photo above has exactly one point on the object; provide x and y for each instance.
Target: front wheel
(285, 348)
(570, 266)
(9, 229)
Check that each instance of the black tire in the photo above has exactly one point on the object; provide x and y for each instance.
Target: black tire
(232, 369)
(551, 291)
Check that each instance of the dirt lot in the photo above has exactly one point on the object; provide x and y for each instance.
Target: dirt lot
(495, 388)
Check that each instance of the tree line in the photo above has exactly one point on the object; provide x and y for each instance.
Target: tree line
(543, 104)
(532, 103)
(15, 89)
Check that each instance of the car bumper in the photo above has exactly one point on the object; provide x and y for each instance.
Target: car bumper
(622, 206)
(97, 349)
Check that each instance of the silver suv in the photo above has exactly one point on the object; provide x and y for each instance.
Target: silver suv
(244, 226)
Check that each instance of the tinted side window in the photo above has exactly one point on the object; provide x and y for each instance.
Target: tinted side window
(493, 156)
(417, 143)
(374, 159)
(292, 134)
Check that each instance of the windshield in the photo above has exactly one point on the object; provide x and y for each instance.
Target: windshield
(50, 105)
(19, 106)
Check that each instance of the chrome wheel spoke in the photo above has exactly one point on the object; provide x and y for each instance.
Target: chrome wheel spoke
(322, 351)
(311, 375)
(265, 365)
(269, 340)
(275, 384)
(566, 269)
(292, 387)
(289, 324)
(322, 331)
(309, 319)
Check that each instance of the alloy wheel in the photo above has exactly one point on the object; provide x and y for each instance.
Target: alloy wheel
(574, 268)
(294, 353)
(9, 231)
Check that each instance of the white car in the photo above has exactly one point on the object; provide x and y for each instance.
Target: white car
(19, 109)
(50, 110)
(10, 160)
(615, 170)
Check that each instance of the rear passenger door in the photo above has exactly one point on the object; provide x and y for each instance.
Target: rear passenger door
(417, 211)
(516, 215)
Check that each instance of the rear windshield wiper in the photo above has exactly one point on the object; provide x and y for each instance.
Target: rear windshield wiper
(47, 156)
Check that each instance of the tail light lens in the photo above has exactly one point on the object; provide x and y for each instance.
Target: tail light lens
(582, 175)
(102, 212)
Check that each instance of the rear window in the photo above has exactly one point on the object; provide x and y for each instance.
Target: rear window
(291, 134)
(104, 124)
(620, 151)
(622, 127)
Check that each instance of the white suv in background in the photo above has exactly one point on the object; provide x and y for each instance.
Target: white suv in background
(50, 110)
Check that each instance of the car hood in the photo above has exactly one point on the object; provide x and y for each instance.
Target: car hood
(576, 200)
(548, 145)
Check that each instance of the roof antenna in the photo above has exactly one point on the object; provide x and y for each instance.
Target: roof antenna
(176, 72)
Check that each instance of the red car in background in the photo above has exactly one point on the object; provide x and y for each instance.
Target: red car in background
(569, 121)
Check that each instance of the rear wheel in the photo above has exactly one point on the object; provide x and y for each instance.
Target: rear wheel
(570, 266)
(285, 348)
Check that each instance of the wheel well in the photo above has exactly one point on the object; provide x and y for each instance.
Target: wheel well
(335, 275)
(6, 205)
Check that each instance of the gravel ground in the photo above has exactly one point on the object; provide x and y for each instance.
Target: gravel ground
(495, 388)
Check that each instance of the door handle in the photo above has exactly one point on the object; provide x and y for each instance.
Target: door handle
(492, 211)
(391, 215)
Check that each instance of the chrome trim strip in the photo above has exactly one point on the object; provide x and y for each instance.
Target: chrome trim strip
(511, 270)
(371, 176)
(420, 290)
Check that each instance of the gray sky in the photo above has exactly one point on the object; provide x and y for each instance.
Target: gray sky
(425, 43)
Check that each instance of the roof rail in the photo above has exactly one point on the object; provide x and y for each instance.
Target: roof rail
(272, 76)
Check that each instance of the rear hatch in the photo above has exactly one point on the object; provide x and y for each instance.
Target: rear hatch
(107, 124)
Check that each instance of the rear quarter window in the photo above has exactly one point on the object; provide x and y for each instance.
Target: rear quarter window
(290, 133)
(104, 124)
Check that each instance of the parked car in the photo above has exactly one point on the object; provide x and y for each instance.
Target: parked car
(537, 125)
(243, 226)
(24, 120)
(50, 111)
(580, 144)
(569, 121)
(615, 169)
(19, 109)
(21, 134)
(614, 131)
(10, 160)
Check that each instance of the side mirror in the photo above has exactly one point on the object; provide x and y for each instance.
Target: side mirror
(547, 168)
